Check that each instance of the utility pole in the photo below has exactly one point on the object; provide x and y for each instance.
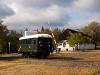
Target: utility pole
(53, 37)
(9, 47)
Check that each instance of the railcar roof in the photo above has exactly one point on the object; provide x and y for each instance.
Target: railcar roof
(36, 36)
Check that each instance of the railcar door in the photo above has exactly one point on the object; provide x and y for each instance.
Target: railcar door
(34, 44)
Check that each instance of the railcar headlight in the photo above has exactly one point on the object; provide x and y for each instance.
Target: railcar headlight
(40, 45)
(20, 47)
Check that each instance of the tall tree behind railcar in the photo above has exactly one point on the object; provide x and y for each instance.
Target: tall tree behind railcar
(3, 37)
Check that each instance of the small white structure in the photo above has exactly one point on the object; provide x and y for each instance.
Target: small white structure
(31, 32)
(86, 46)
(64, 46)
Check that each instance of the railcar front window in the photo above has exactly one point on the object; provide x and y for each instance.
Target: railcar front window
(48, 42)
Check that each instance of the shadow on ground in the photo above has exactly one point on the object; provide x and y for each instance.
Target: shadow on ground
(10, 57)
(64, 58)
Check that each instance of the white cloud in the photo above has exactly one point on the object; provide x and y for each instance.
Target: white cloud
(83, 5)
(36, 13)
(43, 3)
(36, 16)
(88, 10)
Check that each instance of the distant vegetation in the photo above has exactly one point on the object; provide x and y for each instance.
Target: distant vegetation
(78, 38)
(93, 30)
(6, 36)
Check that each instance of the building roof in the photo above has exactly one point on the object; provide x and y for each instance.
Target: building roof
(69, 32)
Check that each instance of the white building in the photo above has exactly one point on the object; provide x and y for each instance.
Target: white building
(64, 46)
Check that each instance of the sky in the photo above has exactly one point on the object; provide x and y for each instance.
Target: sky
(62, 14)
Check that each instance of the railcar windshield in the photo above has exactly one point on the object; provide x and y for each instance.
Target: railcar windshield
(46, 41)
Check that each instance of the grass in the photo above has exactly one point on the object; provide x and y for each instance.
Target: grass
(96, 73)
(23, 67)
(57, 64)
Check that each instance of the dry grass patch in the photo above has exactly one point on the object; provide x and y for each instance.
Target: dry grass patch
(24, 67)
(57, 64)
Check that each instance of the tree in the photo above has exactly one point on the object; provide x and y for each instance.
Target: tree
(42, 30)
(45, 31)
(13, 38)
(78, 38)
(3, 36)
(57, 34)
(26, 29)
(93, 30)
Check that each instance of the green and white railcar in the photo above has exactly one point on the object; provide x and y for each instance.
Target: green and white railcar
(37, 45)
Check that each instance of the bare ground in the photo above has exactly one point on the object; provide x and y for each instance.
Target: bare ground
(64, 63)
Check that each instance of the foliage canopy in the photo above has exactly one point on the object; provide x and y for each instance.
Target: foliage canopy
(93, 30)
(78, 38)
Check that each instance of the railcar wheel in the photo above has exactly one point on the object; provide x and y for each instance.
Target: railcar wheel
(45, 56)
(28, 55)
(23, 55)
(38, 55)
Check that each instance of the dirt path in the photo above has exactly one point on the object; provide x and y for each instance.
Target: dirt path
(64, 63)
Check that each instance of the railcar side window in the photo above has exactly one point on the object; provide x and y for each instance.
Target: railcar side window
(20, 41)
(34, 41)
(26, 41)
(29, 41)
